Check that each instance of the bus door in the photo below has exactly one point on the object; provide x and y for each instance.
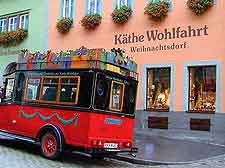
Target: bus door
(6, 106)
(16, 107)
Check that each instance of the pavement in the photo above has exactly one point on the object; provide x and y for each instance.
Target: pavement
(164, 147)
(157, 149)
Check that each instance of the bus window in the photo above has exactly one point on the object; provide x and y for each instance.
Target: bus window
(116, 97)
(20, 87)
(102, 92)
(50, 88)
(69, 90)
(9, 88)
(33, 89)
(130, 97)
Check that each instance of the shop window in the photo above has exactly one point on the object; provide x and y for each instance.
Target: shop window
(33, 89)
(202, 89)
(24, 21)
(50, 88)
(67, 11)
(158, 89)
(117, 94)
(69, 90)
(93, 7)
(3, 25)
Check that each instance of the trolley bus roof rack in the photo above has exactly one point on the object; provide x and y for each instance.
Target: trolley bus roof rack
(114, 60)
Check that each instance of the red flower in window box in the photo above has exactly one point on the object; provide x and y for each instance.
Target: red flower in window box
(199, 6)
(90, 22)
(157, 10)
(121, 15)
(64, 25)
(12, 38)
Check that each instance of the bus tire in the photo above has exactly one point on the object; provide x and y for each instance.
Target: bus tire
(50, 145)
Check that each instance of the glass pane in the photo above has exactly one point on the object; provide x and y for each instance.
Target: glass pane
(68, 93)
(1, 25)
(22, 20)
(122, 2)
(69, 89)
(26, 22)
(33, 89)
(9, 88)
(13, 24)
(202, 93)
(67, 3)
(66, 12)
(116, 97)
(158, 89)
(11, 21)
(4, 25)
(50, 88)
(92, 6)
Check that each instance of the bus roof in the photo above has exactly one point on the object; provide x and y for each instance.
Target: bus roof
(114, 60)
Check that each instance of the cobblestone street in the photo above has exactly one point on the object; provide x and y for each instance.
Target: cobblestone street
(15, 154)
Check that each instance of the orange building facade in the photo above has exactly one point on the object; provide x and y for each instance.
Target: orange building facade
(181, 59)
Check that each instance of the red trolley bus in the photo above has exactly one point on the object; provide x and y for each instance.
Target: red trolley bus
(82, 99)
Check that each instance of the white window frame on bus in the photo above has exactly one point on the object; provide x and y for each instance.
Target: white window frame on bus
(25, 23)
(3, 25)
(14, 24)
(65, 8)
(111, 96)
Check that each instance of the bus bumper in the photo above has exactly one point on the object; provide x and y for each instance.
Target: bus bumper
(112, 151)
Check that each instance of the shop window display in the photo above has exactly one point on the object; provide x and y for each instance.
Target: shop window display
(158, 89)
(202, 89)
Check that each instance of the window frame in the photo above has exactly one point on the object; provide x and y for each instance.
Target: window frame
(26, 88)
(96, 9)
(64, 7)
(6, 86)
(147, 83)
(25, 21)
(14, 23)
(77, 93)
(59, 84)
(189, 88)
(18, 18)
(119, 3)
(2, 29)
(122, 99)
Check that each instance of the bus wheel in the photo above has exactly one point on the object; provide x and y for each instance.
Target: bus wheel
(50, 146)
